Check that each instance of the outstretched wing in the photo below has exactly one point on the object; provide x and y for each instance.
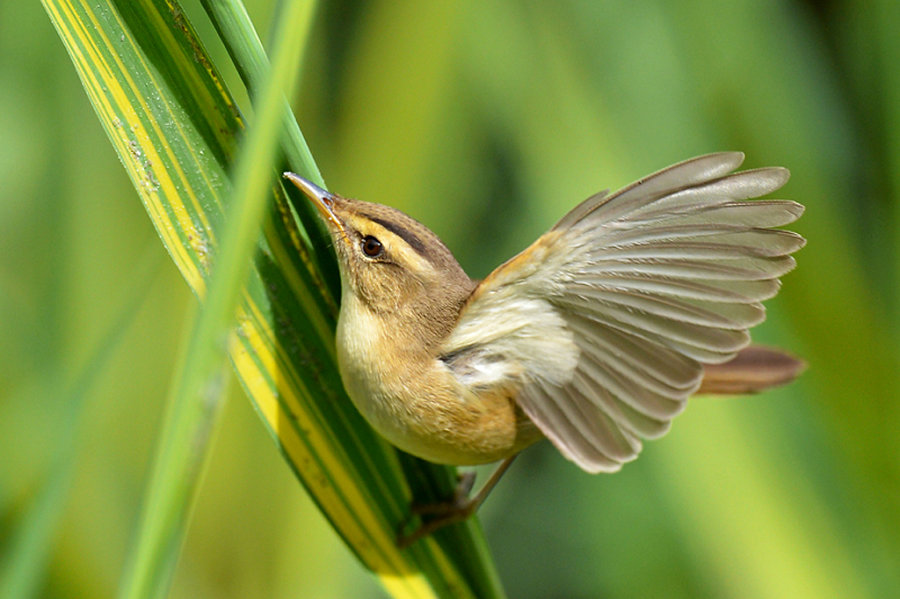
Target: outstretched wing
(606, 320)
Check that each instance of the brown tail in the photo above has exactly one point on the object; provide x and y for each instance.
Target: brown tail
(754, 369)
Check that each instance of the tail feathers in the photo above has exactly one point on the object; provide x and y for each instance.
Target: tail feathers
(754, 369)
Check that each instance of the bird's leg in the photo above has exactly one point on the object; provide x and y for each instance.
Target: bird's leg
(457, 509)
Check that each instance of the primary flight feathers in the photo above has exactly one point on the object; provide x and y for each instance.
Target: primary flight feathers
(607, 319)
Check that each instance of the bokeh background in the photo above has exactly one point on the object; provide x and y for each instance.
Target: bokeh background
(488, 121)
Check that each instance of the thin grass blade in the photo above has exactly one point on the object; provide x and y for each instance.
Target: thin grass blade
(198, 392)
(175, 127)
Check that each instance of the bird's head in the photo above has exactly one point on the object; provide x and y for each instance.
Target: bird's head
(390, 263)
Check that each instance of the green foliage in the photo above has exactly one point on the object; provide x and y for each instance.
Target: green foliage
(175, 127)
(486, 121)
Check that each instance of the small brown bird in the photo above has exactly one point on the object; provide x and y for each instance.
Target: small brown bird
(593, 337)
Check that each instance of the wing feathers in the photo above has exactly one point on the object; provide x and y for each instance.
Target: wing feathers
(702, 289)
(693, 340)
(666, 371)
(742, 268)
(649, 189)
(635, 423)
(645, 286)
(591, 452)
(761, 213)
(700, 312)
(622, 389)
(701, 241)
(598, 425)
(738, 186)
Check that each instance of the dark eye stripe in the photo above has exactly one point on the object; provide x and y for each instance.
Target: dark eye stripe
(405, 234)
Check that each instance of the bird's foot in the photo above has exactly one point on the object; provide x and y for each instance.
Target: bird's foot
(439, 514)
(459, 508)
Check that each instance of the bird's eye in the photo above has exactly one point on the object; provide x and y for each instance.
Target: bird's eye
(371, 247)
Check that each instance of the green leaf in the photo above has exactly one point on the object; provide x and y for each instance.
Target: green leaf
(175, 128)
(198, 392)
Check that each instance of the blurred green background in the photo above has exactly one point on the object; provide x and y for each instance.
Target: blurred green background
(487, 121)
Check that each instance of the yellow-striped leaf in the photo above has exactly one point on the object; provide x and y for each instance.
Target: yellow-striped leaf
(175, 128)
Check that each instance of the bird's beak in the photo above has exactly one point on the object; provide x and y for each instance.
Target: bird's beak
(323, 200)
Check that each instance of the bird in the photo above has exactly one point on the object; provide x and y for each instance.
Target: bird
(593, 337)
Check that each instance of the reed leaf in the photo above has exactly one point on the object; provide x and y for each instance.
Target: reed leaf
(176, 128)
